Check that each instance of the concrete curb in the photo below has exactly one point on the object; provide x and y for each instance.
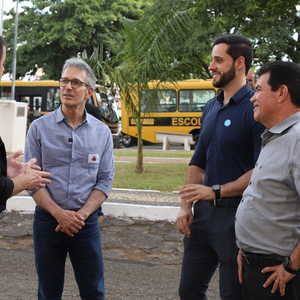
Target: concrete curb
(26, 204)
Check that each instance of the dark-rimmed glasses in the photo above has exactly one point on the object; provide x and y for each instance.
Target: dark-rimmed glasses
(76, 83)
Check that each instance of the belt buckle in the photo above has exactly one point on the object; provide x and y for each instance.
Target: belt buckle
(215, 202)
(245, 257)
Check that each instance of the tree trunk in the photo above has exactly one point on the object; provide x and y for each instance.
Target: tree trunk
(140, 162)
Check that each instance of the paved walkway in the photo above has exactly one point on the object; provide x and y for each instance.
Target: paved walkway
(142, 254)
(142, 260)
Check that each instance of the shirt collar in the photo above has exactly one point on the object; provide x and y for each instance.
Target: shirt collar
(61, 117)
(238, 96)
(274, 132)
(286, 123)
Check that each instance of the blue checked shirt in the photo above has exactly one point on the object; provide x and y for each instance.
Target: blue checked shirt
(79, 160)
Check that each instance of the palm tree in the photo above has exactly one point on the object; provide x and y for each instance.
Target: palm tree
(145, 57)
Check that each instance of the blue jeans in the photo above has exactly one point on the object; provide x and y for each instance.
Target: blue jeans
(85, 253)
(211, 244)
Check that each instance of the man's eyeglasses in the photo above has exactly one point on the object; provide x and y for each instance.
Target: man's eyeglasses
(76, 83)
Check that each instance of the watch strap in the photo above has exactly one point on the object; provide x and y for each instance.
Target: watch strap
(287, 266)
(217, 190)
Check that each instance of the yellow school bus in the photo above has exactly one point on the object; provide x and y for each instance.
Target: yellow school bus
(172, 107)
(43, 96)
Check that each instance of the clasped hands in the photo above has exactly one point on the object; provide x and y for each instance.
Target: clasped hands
(70, 222)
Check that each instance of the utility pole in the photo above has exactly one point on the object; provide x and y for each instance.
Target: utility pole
(1, 20)
(15, 54)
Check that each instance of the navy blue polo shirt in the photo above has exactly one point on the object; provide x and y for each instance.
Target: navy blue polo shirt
(230, 138)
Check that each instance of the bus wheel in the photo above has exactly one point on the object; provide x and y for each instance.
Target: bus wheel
(127, 140)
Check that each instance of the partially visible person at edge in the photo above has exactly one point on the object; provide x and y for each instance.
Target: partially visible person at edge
(78, 151)
(219, 171)
(268, 218)
(251, 78)
(16, 176)
(95, 112)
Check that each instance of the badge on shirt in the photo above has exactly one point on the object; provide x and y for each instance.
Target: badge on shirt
(93, 158)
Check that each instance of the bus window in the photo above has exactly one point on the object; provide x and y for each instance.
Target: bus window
(171, 107)
(5, 93)
(158, 101)
(37, 103)
(53, 99)
(194, 100)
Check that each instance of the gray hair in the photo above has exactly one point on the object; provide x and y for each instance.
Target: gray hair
(81, 65)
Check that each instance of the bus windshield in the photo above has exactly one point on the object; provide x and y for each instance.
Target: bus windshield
(106, 106)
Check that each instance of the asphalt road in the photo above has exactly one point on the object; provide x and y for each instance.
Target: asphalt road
(142, 261)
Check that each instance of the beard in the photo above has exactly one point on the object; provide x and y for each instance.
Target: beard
(225, 78)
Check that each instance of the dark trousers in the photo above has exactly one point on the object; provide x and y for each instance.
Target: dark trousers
(51, 249)
(253, 285)
(212, 244)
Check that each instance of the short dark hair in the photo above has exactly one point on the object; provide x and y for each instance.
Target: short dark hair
(283, 73)
(2, 45)
(238, 46)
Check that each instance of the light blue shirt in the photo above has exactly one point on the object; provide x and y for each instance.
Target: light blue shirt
(79, 160)
(268, 217)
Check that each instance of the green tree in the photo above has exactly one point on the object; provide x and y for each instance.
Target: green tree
(173, 41)
(272, 25)
(51, 31)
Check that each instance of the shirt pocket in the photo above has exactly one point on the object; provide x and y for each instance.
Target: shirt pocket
(91, 161)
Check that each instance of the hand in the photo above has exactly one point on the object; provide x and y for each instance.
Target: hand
(280, 277)
(13, 166)
(184, 221)
(193, 192)
(69, 222)
(33, 178)
(240, 266)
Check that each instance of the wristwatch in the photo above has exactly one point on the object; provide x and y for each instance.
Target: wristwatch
(287, 266)
(217, 189)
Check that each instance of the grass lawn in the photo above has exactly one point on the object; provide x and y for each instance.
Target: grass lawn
(163, 177)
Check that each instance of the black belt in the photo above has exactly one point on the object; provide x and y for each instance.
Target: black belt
(257, 259)
(224, 202)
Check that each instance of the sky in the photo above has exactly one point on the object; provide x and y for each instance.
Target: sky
(9, 4)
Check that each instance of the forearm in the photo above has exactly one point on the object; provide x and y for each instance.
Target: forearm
(295, 257)
(237, 187)
(93, 202)
(43, 199)
(20, 184)
(195, 175)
